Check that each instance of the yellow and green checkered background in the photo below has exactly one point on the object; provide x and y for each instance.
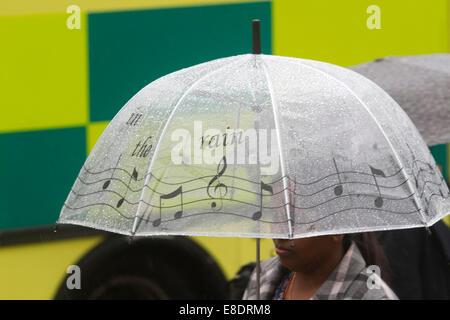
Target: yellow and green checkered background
(60, 87)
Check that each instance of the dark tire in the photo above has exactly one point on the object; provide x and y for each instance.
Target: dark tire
(147, 268)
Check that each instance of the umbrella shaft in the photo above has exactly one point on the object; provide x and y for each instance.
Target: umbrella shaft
(258, 269)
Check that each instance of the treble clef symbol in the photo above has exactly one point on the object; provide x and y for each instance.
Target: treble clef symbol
(220, 171)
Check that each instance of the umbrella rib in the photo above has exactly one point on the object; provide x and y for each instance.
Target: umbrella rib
(397, 158)
(282, 164)
(192, 86)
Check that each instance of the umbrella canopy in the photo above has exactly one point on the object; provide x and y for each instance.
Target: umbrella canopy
(421, 86)
(258, 146)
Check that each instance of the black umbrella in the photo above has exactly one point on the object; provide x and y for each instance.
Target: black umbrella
(421, 86)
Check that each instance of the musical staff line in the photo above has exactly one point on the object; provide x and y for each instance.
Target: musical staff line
(245, 190)
(247, 180)
(246, 217)
(416, 175)
(254, 182)
(355, 208)
(180, 200)
(168, 220)
(248, 203)
(428, 182)
(237, 188)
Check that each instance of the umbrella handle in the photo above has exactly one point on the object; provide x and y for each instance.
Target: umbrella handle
(256, 49)
(258, 269)
(256, 37)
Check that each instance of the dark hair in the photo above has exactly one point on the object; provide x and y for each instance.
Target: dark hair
(372, 251)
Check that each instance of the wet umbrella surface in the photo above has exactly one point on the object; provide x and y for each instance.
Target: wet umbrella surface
(259, 146)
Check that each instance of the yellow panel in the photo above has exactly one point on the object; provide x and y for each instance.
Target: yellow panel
(14, 7)
(43, 75)
(447, 220)
(94, 131)
(337, 32)
(232, 253)
(35, 271)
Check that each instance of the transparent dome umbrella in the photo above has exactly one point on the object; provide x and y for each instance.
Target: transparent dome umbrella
(258, 146)
(421, 86)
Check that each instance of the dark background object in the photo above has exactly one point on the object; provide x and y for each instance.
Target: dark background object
(147, 268)
(240, 281)
(421, 86)
(419, 261)
(256, 37)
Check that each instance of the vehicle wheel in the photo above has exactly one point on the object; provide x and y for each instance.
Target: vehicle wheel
(145, 268)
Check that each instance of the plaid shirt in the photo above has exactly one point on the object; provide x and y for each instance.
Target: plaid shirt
(348, 281)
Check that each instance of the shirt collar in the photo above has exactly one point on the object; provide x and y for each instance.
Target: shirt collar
(351, 265)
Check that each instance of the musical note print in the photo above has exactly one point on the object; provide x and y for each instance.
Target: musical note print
(425, 176)
(263, 187)
(196, 196)
(338, 189)
(221, 167)
(108, 182)
(377, 172)
(133, 176)
(178, 214)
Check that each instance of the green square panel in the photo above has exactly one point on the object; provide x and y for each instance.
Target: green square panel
(37, 170)
(128, 50)
(439, 153)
